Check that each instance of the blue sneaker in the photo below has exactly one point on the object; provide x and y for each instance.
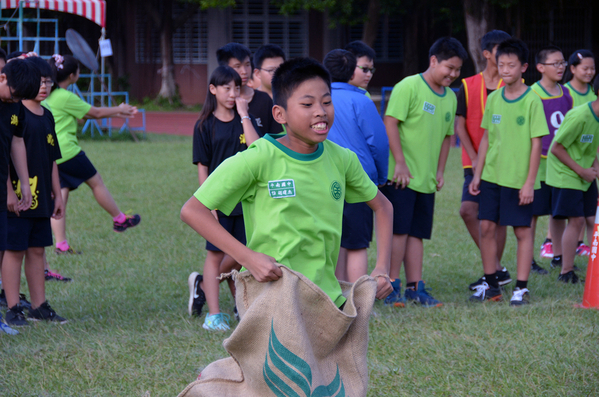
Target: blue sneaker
(395, 298)
(217, 322)
(421, 295)
(6, 329)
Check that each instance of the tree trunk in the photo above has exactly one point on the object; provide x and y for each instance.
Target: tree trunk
(476, 15)
(372, 22)
(168, 89)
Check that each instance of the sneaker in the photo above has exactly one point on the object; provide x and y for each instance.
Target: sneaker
(485, 292)
(569, 277)
(547, 250)
(130, 221)
(535, 268)
(421, 295)
(583, 250)
(6, 329)
(477, 283)
(197, 299)
(520, 297)
(51, 276)
(22, 300)
(45, 313)
(556, 264)
(15, 317)
(395, 298)
(503, 277)
(217, 322)
(69, 251)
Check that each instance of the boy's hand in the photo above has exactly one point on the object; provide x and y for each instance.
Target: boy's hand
(474, 162)
(242, 106)
(588, 174)
(127, 110)
(12, 202)
(263, 267)
(383, 285)
(58, 212)
(526, 194)
(474, 187)
(440, 181)
(401, 175)
(25, 202)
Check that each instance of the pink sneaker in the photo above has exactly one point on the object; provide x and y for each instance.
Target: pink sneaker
(583, 250)
(547, 250)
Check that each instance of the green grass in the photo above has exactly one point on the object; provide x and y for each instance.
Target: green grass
(129, 333)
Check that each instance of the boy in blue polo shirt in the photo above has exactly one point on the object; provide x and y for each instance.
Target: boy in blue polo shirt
(419, 121)
(508, 162)
(359, 128)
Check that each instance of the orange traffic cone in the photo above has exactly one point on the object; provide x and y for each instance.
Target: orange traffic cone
(590, 299)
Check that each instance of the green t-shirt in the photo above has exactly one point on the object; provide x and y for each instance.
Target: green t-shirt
(292, 203)
(66, 108)
(579, 134)
(426, 118)
(511, 125)
(581, 98)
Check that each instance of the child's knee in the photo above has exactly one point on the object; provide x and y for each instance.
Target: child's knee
(487, 229)
(468, 211)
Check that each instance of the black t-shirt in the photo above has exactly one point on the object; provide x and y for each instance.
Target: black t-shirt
(11, 124)
(261, 108)
(216, 141)
(42, 150)
(462, 108)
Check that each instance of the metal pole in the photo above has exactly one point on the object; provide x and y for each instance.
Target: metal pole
(20, 26)
(103, 66)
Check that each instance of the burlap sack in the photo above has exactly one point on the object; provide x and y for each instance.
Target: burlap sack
(293, 341)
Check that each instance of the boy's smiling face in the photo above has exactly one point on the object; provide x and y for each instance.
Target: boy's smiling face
(308, 117)
(445, 72)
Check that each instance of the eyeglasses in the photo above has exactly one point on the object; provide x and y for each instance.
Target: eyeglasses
(269, 71)
(556, 64)
(13, 99)
(48, 83)
(366, 69)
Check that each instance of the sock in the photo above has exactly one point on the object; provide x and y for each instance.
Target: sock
(63, 245)
(580, 243)
(521, 284)
(411, 285)
(120, 218)
(491, 279)
(547, 240)
(557, 258)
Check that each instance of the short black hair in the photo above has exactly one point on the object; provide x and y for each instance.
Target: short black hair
(3, 54)
(447, 48)
(544, 52)
(294, 72)
(232, 50)
(360, 49)
(14, 54)
(513, 46)
(43, 66)
(492, 38)
(23, 78)
(341, 64)
(267, 51)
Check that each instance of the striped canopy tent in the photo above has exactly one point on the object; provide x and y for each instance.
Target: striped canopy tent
(94, 10)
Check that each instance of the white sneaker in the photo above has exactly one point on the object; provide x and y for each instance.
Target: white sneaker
(520, 297)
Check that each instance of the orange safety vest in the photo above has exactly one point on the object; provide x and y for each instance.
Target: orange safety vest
(476, 99)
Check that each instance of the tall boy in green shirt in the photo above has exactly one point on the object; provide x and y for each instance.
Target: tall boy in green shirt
(508, 158)
(419, 121)
(292, 189)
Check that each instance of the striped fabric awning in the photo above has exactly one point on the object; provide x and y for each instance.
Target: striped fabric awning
(94, 10)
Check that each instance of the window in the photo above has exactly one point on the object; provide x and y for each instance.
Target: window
(389, 39)
(256, 22)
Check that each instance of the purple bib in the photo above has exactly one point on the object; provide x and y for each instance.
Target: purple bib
(555, 110)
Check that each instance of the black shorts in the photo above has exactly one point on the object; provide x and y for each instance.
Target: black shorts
(466, 196)
(541, 205)
(3, 232)
(24, 233)
(232, 224)
(412, 211)
(357, 226)
(574, 203)
(75, 171)
(500, 204)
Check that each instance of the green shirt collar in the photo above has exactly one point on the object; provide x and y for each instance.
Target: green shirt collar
(272, 138)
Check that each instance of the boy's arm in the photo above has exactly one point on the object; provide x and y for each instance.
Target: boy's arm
(19, 160)
(527, 193)
(383, 212)
(465, 140)
(442, 162)
(58, 203)
(248, 129)
(401, 175)
(473, 189)
(588, 174)
(12, 201)
(197, 215)
(373, 130)
(202, 176)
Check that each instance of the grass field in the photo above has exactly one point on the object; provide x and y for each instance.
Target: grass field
(129, 333)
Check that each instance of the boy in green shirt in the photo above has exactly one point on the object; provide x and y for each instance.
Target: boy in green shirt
(572, 168)
(292, 189)
(508, 159)
(419, 122)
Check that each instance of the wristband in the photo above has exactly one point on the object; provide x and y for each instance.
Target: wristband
(244, 117)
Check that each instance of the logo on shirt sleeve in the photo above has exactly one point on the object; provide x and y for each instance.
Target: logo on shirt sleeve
(14, 120)
(429, 107)
(242, 139)
(496, 119)
(586, 138)
(50, 139)
(282, 188)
